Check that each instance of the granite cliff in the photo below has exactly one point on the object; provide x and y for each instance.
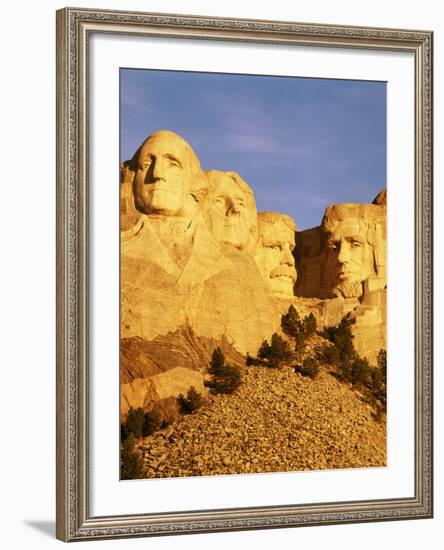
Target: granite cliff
(201, 268)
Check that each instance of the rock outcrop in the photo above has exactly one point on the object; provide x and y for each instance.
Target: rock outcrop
(153, 371)
(199, 264)
(186, 260)
(129, 215)
(181, 348)
(381, 198)
(161, 391)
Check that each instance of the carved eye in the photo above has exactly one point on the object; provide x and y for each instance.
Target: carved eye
(332, 247)
(146, 164)
(356, 244)
(173, 163)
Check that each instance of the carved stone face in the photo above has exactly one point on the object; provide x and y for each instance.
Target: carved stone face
(274, 256)
(349, 255)
(161, 183)
(230, 213)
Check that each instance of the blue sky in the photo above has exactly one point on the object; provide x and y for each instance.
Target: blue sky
(300, 143)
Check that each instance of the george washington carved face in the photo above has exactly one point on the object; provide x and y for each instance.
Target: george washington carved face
(168, 178)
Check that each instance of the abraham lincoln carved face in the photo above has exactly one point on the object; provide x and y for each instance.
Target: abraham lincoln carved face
(354, 247)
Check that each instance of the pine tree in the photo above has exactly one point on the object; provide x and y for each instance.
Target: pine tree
(151, 422)
(291, 322)
(309, 325)
(360, 372)
(226, 378)
(134, 422)
(279, 348)
(327, 354)
(343, 340)
(382, 361)
(264, 351)
(131, 464)
(300, 330)
(217, 361)
(191, 402)
(309, 367)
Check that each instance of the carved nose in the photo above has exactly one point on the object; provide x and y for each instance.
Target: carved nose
(157, 170)
(233, 209)
(287, 258)
(343, 256)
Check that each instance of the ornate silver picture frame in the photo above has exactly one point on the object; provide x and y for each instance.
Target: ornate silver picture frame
(77, 468)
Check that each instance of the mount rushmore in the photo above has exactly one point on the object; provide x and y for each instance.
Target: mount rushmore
(196, 253)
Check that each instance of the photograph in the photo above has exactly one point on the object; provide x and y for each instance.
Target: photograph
(233, 196)
(253, 273)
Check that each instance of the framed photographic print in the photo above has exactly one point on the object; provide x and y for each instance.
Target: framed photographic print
(244, 274)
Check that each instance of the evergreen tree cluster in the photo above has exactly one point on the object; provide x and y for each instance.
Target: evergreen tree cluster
(225, 377)
(191, 402)
(309, 367)
(131, 464)
(298, 329)
(349, 365)
(140, 423)
(272, 355)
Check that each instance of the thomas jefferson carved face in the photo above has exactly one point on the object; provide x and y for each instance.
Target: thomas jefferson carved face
(274, 255)
(231, 210)
(164, 172)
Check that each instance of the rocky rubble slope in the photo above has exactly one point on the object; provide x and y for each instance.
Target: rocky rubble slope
(275, 421)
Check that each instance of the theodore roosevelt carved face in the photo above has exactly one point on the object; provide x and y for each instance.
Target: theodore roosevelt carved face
(168, 179)
(231, 209)
(274, 252)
